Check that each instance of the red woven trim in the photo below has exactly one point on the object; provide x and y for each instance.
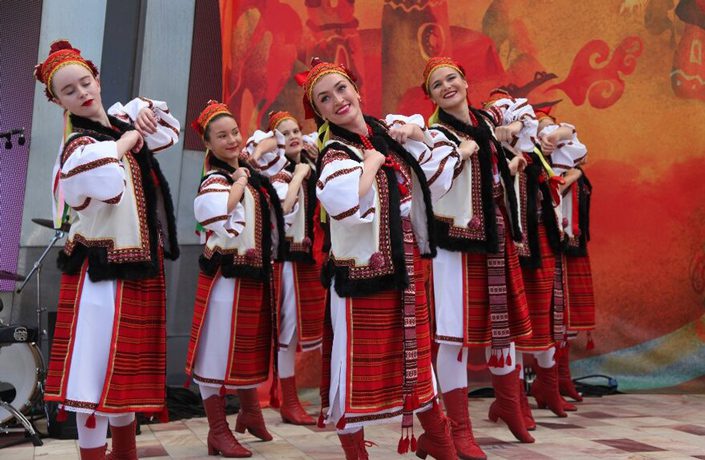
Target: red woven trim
(347, 213)
(89, 166)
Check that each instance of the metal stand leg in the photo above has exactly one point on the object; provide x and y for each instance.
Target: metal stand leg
(28, 427)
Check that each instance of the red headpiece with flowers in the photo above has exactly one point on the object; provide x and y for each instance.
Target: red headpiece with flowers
(61, 53)
(212, 109)
(309, 78)
(436, 63)
(277, 117)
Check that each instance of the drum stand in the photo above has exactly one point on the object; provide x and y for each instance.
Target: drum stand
(41, 332)
(28, 426)
(37, 269)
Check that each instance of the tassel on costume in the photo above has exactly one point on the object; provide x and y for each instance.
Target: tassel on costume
(341, 423)
(590, 342)
(61, 416)
(493, 360)
(90, 421)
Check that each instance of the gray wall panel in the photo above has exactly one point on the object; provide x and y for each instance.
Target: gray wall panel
(84, 29)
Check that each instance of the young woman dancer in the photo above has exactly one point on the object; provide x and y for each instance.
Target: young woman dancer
(378, 204)
(300, 294)
(541, 258)
(108, 357)
(567, 154)
(478, 288)
(231, 336)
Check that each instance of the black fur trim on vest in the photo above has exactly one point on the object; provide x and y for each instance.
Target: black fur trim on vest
(344, 285)
(533, 186)
(584, 196)
(482, 134)
(99, 268)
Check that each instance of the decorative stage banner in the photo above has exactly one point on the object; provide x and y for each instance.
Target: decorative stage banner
(628, 73)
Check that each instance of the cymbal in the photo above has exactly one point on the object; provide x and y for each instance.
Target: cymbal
(48, 223)
(5, 275)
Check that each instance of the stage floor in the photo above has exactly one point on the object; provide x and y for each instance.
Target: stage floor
(613, 427)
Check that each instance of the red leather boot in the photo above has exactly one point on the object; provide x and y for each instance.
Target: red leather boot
(568, 406)
(456, 403)
(545, 390)
(354, 445)
(94, 453)
(436, 439)
(565, 380)
(124, 447)
(507, 405)
(220, 438)
(250, 416)
(529, 421)
(291, 409)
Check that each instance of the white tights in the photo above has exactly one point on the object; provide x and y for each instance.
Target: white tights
(89, 438)
(452, 374)
(286, 360)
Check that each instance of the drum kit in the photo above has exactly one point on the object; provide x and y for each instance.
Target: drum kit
(22, 366)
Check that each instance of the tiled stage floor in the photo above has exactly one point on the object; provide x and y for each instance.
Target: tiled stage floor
(614, 427)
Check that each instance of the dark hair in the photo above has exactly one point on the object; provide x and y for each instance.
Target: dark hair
(206, 132)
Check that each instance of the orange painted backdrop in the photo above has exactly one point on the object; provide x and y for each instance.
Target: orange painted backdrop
(628, 73)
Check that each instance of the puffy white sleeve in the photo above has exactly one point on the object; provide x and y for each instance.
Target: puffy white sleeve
(91, 170)
(438, 160)
(270, 163)
(168, 127)
(281, 182)
(338, 190)
(211, 208)
(519, 109)
(311, 138)
(568, 153)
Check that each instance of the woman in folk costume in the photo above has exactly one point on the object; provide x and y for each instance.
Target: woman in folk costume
(541, 258)
(231, 335)
(567, 154)
(109, 351)
(478, 290)
(372, 184)
(281, 155)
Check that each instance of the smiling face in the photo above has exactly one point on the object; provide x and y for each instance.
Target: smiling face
(293, 137)
(447, 88)
(336, 100)
(224, 139)
(78, 91)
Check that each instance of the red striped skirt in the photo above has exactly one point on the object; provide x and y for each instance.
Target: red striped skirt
(251, 331)
(538, 283)
(375, 360)
(136, 374)
(477, 305)
(581, 298)
(310, 302)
